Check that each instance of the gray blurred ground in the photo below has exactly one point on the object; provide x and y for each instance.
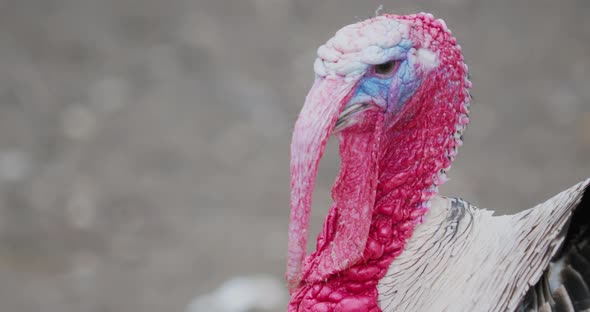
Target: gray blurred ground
(144, 143)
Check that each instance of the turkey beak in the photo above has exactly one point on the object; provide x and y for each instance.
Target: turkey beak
(323, 104)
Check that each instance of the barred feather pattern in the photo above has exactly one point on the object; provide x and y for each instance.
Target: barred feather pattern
(462, 258)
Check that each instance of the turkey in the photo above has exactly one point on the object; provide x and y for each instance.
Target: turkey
(394, 90)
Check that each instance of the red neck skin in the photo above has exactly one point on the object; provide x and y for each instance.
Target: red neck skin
(398, 168)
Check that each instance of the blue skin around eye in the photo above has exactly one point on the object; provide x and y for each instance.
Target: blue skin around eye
(374, 87)
(408, 82)
(395, 90)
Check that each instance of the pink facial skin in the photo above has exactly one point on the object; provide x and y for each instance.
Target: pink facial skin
(391, 163)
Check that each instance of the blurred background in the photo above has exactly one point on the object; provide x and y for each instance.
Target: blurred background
(144, 143)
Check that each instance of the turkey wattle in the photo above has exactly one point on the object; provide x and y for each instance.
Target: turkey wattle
(394, 90)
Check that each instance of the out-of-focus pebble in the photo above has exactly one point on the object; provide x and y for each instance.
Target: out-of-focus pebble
(79, 123)
(14, 165)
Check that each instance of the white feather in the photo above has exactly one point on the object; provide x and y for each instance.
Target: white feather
(466, 259)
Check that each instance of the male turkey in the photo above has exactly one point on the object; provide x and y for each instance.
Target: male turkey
(395, 92)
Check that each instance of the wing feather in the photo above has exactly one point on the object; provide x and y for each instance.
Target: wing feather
(465, 259)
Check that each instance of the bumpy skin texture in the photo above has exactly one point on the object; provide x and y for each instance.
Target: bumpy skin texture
(393, 157)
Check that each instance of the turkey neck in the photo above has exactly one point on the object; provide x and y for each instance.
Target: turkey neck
(397, 169)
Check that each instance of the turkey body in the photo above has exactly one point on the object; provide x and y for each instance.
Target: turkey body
(462, 258)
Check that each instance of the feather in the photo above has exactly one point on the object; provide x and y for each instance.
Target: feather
(568, 274)
(465, 259)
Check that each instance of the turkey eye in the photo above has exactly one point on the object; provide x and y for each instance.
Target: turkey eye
(385, 68)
